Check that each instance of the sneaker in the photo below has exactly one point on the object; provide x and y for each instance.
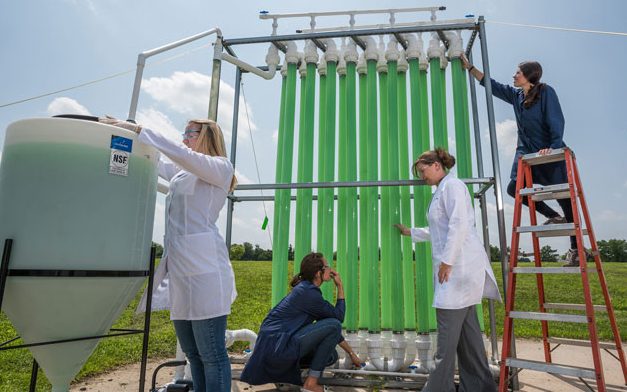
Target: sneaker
(556, 220)
(572, 257)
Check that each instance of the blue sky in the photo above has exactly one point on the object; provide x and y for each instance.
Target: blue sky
(52, 45)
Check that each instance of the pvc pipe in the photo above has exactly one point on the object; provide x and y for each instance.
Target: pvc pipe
(422, 197)
(424, 349)
(372, 251)
(304, 197)
(404, 165)
(375, 353)
(352, 246)
(410, 348)
(279, 273)
(364, 229)
(438, 92)
(141, 62)
(284, 173)
(397, 360)
(326, 167)
(342, 224)
(241, 335)
(395, 257)
(384, 140)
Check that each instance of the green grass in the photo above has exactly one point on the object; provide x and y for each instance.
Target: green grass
(253, 302)
(565, 288)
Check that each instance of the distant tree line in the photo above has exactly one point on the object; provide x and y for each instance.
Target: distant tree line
(248, 251)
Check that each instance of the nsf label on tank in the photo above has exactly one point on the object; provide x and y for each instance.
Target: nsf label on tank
(121, 149)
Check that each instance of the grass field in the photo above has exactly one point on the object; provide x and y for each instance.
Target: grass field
(252, 304)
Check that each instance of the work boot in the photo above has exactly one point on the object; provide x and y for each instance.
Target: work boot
(555, 220)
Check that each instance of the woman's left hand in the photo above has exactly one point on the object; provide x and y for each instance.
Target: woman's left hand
(444, 272)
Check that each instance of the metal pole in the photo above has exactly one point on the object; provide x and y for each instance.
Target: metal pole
(141, 61)
(483, 205)
(229, 209)
(497, 170)
(214, 93)
(4, 269)
(33, 377)
(142, 372)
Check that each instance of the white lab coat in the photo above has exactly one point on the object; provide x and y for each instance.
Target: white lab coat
(195, 278)
(454, 241)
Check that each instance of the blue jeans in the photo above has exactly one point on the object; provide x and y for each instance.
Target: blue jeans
(317, 345)
(203, 343)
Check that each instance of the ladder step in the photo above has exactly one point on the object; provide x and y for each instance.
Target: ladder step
(562, 229)
(582, 343)
(546, 270)
(547, 192)
(568, 318)
(581, 307)
(566, 370)
(537, 159)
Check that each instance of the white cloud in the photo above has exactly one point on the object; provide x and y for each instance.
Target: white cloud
(187, 93)
(154, 119)
(65, 105)
(507, 136)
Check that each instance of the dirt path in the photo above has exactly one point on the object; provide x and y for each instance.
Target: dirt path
(127, 378)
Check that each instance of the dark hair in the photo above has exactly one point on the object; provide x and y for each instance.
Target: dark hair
(532, 70)
(309, 267)
(432, 156)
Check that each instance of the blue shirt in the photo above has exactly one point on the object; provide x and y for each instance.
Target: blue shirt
(539, 126)
(276, 354)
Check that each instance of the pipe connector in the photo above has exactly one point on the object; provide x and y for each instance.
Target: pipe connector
(392, 53)
(353, 340)
(332, 54)
(292, 55)
(414, 46)
(425, 354)
(311, 53)
(243, 335)
(272, 57)
(397, 361)
(322, 67)
(403, 65)
(375, 352)
(410, 348)
(436, 49)
(350, 53)
(372, 52)
(341, 65)
(362, 66)
(455, 44)
(382, 64)
(302, 67)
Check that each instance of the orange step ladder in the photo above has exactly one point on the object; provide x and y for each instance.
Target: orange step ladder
(574, 191)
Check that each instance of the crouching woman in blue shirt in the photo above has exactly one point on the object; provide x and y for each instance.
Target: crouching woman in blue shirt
(289, 339)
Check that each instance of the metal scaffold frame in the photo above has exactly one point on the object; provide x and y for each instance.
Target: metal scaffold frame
(476, 26)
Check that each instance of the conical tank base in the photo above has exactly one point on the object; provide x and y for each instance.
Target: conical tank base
(49, 309)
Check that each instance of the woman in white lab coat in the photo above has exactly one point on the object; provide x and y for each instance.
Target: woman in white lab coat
(462, 277)
(196, 262)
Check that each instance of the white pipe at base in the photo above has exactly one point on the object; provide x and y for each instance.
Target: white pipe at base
(410, 348)
(425, 354)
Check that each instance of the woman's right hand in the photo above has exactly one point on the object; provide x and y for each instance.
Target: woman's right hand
(336, 277)
(121, 124)
(403, 229)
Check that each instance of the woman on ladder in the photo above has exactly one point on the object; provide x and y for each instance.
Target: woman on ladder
(540, 123)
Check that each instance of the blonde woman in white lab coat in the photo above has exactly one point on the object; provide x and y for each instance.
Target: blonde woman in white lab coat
(462, 277)
(200, 279)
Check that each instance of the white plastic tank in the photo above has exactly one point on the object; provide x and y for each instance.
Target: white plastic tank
(75, 195)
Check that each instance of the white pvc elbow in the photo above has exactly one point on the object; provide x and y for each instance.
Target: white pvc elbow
(455, 44)
(372, 52)
(240, 335)
(332, 54)
(311, 53)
